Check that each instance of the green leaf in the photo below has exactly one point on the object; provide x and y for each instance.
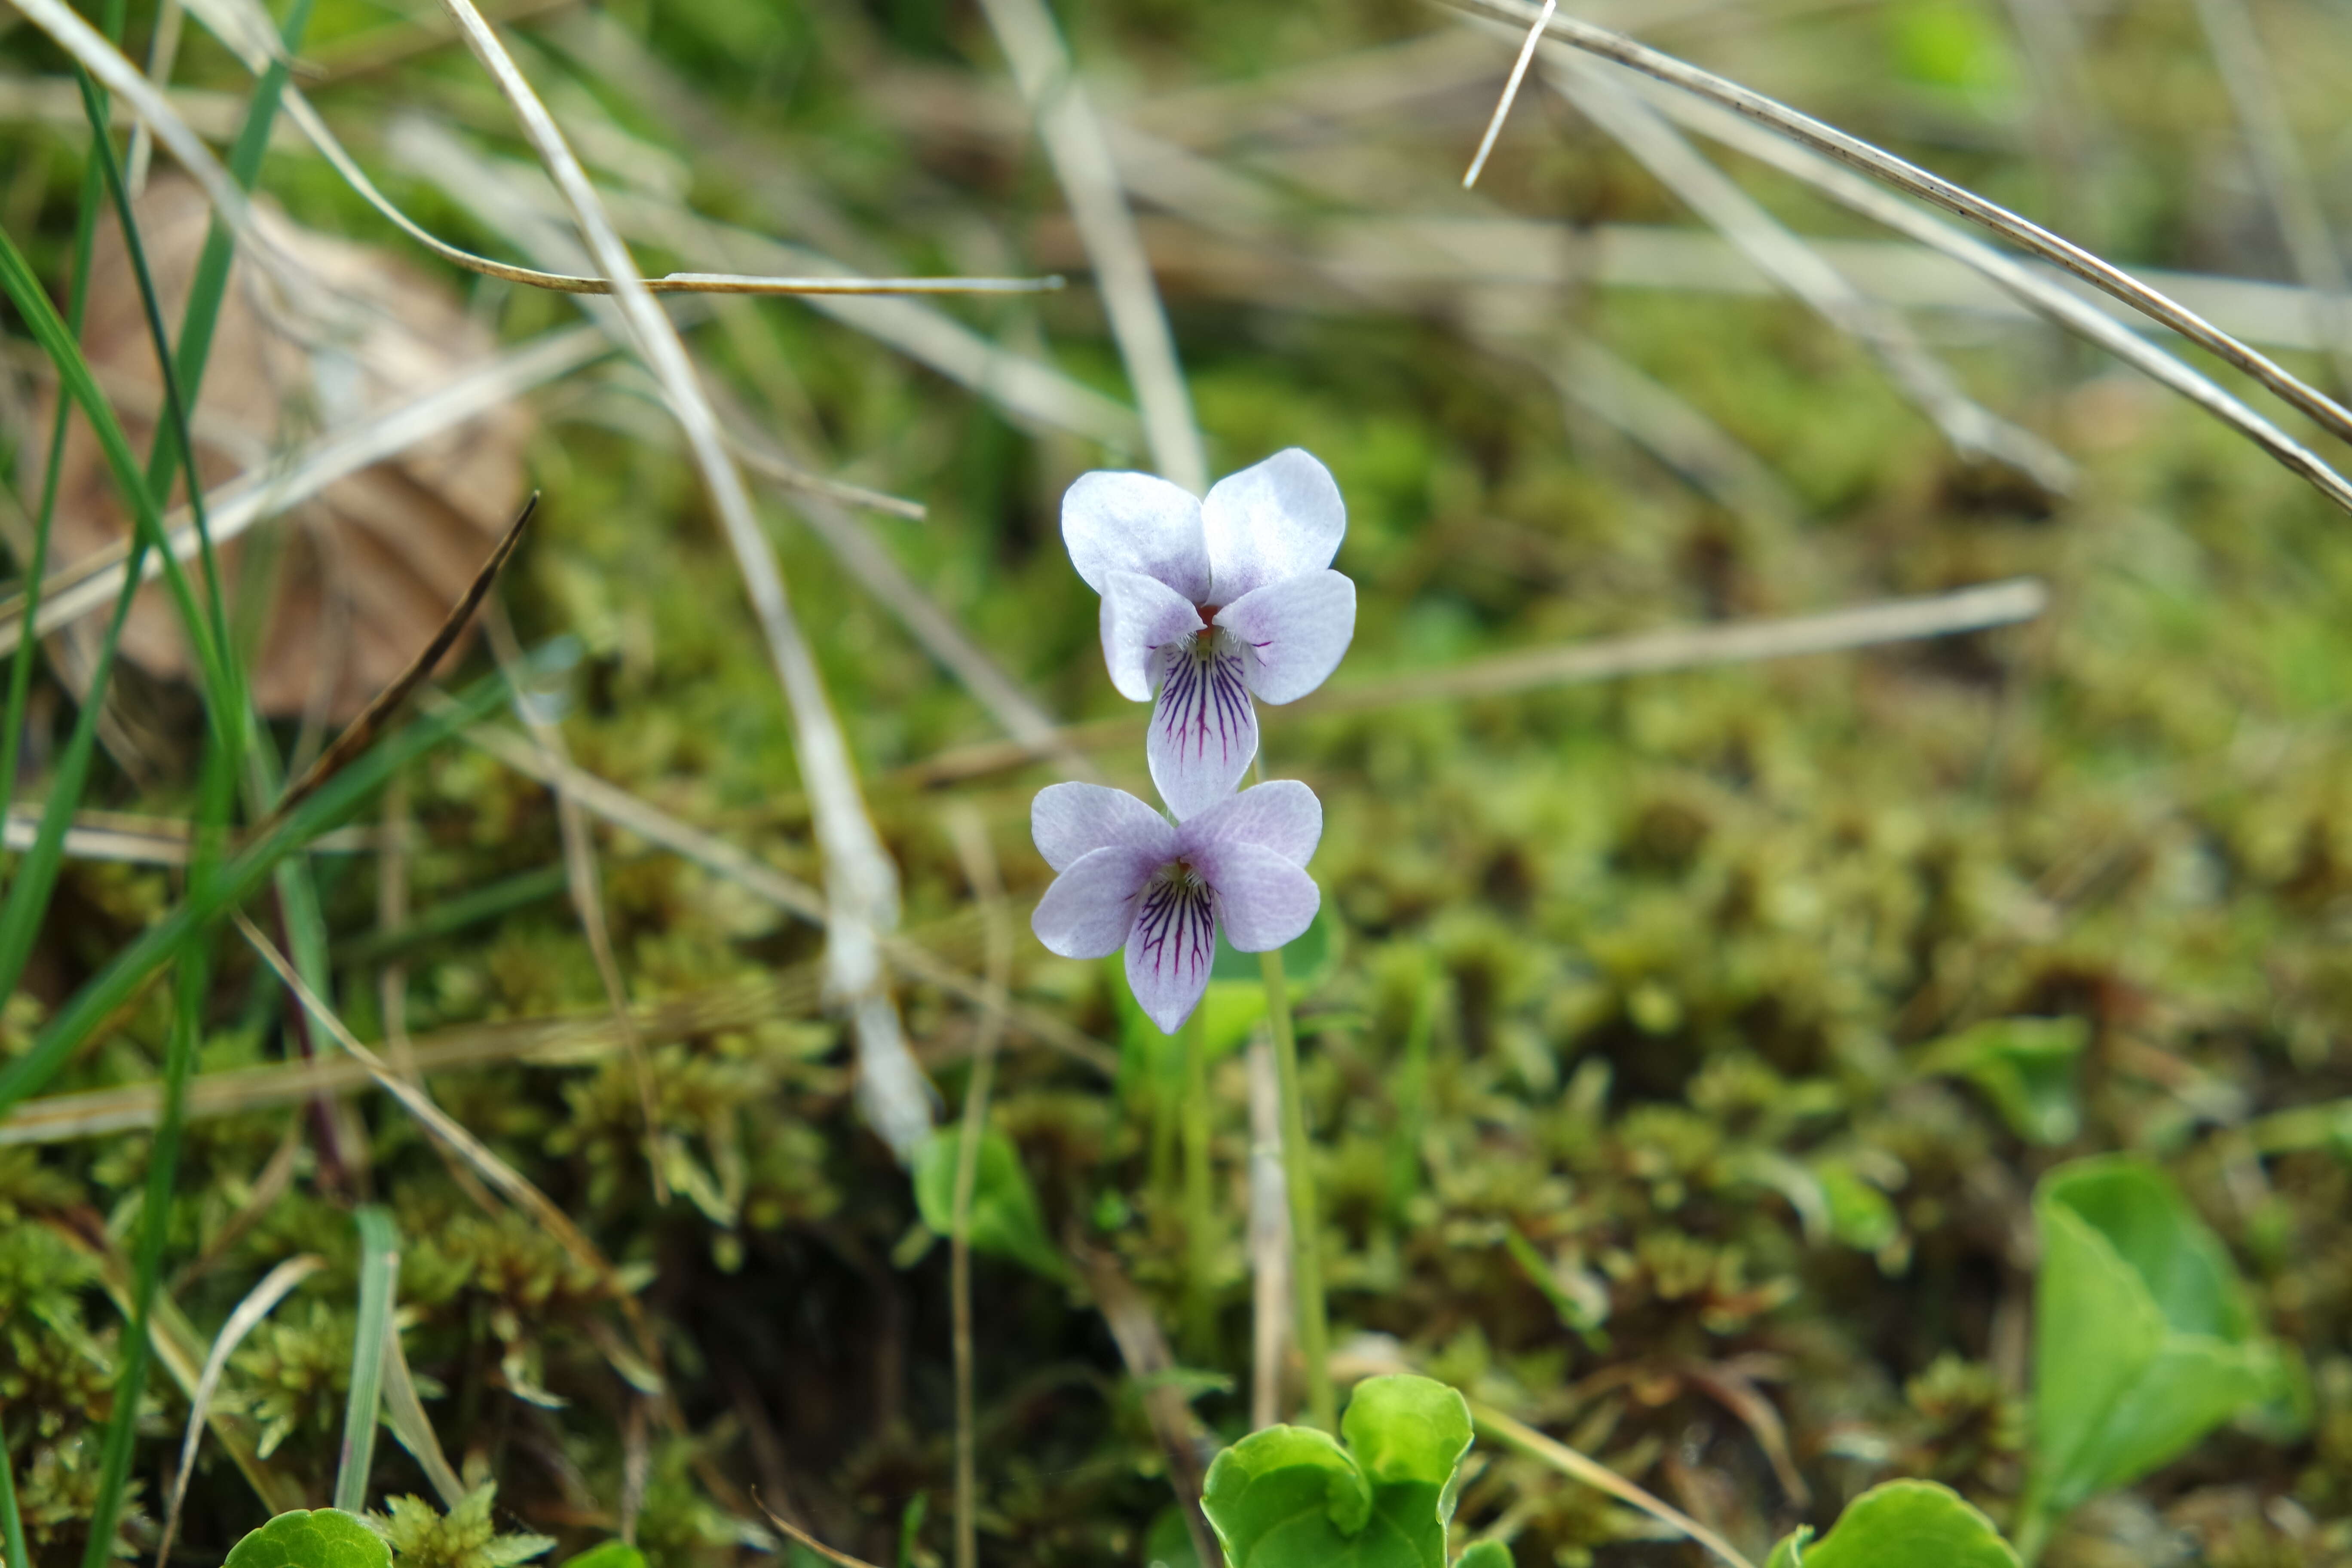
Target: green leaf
(607, 1555)
(322, 1538)
(1903, 1524)
(1861, 1216)
(1290, 1496)
(1485, 1554)
(1405, 1429)
(1283, 1496)
(2143, 1339)
(1006, 1221)
(2027, 1067)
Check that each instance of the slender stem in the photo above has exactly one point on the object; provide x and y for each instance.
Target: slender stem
(12, 1525)
(1200, 1211)
(967, 1480)
(1297, 1171)
(1412, 1098)
(987, 886)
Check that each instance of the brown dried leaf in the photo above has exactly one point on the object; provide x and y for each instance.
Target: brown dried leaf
(371, 565)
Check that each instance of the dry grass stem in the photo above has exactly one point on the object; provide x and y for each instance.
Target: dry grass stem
(1599, 1476)
(1914, 180)
(586, 885)
(1035, 393)
(163, 54)
(1143, 1349)
(1015, 711)
(144, 841)
(2285, 173)
(1078, 146)
(509, 1183)
(789, 894)
(1760, 236)
(861, 883)
(1510, 92)
(1272, 1309)
(365, 731)
(405, 1412)
(181, 1351)
(257, 1304)
(1691, 445)
(1647, 653)
(2039, 293)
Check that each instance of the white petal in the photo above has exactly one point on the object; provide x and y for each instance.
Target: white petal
(1070, 820)
(1281, 519)
(1281, 816)
(1204, 729)
(1090, 907)
(1168, 957)
(1136, 522)
(1263, 899)
(1293, 632)
(1141, 616)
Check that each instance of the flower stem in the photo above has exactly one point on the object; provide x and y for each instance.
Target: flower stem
(1297, 1171)
(1200, 1215)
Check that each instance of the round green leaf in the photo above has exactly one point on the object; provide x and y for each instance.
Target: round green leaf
(321, 1538)
(1903, 1524)
(608, 1554)
(1289, 1497)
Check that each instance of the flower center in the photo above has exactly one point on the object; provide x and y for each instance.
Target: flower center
(1208, 614)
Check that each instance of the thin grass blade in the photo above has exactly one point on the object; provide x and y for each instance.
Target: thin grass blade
(258, 1303)
(378, 1277)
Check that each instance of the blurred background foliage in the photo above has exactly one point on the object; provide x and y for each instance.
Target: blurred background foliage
(1661, 1082)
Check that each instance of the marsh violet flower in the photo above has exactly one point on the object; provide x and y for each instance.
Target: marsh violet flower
(1208, 601)
(1129, 877)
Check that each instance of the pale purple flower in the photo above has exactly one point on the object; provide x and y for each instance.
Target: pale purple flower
(1132, 879)
(1207, 602)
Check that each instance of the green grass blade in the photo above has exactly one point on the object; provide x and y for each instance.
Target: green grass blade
(77, 382)
(455, 914)
(37, 564)
(155, 1226)
(242, 872)
(379, 1275)
(197, 323)
(12, 1525)
(173, 433)
(217, 792)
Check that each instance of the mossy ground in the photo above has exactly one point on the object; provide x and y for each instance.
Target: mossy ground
(1673, 1180)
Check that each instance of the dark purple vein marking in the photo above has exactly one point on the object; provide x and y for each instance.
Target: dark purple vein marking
(1203, 698)
(1175, 934)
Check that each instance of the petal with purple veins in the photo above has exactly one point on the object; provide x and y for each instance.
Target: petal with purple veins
(1281, 518)
(1170, 950)
(1071, 820)
(1141, 616)
(1292, 633)
(1262, 899)
(1204, 729)
(1281, 816)
(1136, 522)
(1090, 907)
